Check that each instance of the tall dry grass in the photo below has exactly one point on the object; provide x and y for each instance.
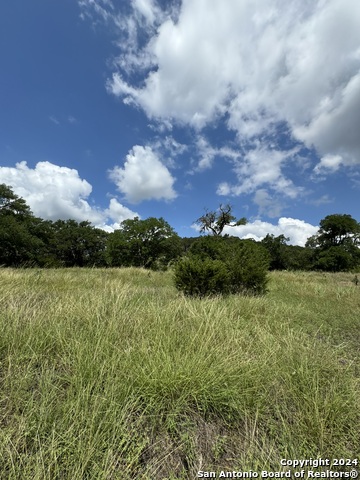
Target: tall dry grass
(111, 374)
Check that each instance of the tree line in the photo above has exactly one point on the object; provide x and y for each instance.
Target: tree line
(29, 241)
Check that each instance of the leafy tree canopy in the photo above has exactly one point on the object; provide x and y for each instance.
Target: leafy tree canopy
(78, 244)
(18, 246)
(336, 230)
(335, 259)
(149, 243)
(276, 246)
(12, 204)
(337, 243)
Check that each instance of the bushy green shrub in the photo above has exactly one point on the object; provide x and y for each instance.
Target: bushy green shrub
(200, 277)
(248, 266)
(221, 265)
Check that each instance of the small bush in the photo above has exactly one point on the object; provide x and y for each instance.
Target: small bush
(200, 277)
(218, 265)
(249, 272)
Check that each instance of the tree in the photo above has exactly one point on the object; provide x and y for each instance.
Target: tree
(216, 221)
(276, 246)
(78, 244)
(11, 204)
(337, 243)
(296, 257)
(337, 229)
(18, 244)
(335, 259)
(45, 255)
(150, 243)
(26, 240)
(18, 247)
(186, 243)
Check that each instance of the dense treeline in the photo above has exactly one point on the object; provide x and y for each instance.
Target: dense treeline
(26, 240)
(335, 248)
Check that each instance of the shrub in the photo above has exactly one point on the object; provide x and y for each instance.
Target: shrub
(200, 277)
(221, 265)
(249, 267)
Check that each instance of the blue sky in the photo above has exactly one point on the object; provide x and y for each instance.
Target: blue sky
(111, 109)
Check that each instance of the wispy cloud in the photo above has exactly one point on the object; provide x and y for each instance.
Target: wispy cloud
(269, 205)
(92, 8)
(54, 120)
(323, 200)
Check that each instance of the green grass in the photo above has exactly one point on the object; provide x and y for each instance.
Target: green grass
(112, 374)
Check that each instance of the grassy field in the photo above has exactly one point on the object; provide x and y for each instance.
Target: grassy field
(112, 374)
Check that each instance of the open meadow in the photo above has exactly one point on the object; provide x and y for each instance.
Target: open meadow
(113, 374)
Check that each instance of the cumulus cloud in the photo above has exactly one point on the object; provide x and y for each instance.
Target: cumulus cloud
(55, 192)
(297, 230)
(255, 66)
(143, 177)
(117, 213)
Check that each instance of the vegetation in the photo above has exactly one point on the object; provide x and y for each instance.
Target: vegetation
(28, 241)
(201, 277)
(110, 374)
(222, 265)
(337, 243)
(214, 222)
(276, 247)
(150, 243)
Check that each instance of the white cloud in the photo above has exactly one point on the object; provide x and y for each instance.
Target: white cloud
(328, 164)
(144, 176)
(296, 62)
(205, 155)
(297, 230)
(55, 192)
(206, 152)
(117, 213)
(147, 9)
(261, 166)
(168, 149)
(224, 189)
